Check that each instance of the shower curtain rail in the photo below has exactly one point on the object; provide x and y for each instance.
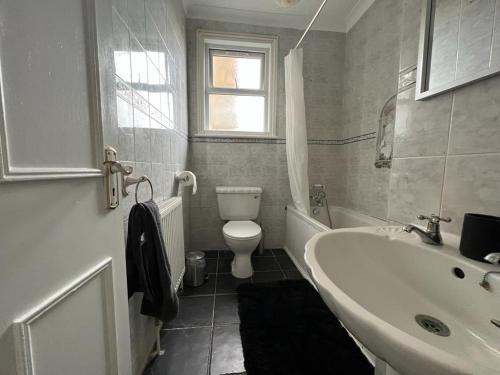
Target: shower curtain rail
(311, 23)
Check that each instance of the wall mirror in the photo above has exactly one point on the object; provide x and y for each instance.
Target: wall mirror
(459, 44)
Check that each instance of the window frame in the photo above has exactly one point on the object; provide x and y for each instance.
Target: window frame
(236, 42)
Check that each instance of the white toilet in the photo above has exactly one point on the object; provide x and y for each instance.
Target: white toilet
(240, 205)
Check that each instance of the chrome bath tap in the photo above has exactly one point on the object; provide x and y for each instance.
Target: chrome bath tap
(432, 235)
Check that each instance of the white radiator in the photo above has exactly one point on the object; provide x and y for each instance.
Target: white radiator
(172, 227)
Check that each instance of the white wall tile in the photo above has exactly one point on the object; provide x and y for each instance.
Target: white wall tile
(410, 34)
(416, 185)
(475, 126)
(422, 127)
(471, 185)
(142, 140)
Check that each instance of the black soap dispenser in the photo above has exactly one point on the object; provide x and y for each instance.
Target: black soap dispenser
(480, 236)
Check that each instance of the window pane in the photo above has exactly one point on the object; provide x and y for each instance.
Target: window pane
(237, 72)
(236, 113)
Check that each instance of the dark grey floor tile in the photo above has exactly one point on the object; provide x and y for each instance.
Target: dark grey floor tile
(293, 275)
(206, 289)
(211, 254)
(267, 276)
(193, 312)
(265, 264)
(286, 263)
(226, 254)
(265, 253)
(211, 265)
(279, 252)
(224, 265)
(226, 309)
(227, 353)
(227, 283)
(186, 353)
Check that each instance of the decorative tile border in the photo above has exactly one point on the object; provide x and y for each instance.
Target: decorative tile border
(325, 142)
(407, 78)
(270, 141)
(360, 138)
(320, 142)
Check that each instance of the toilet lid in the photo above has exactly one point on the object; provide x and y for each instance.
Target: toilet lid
(241, 229)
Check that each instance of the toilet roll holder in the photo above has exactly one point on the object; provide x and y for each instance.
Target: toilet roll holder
(114, 169)
(179, 178)
(186, 178)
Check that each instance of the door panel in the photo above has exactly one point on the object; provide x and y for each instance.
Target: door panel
(83, 317)
(48, 86)
(51, 233)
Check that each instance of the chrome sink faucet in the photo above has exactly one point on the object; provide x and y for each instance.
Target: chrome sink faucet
(493, 258)
(432, 235)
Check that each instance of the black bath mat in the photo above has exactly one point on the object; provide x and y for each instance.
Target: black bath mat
(286, 329)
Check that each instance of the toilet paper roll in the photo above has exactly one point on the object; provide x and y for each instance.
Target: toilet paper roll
(187, 178)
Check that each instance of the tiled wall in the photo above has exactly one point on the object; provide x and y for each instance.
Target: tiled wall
(371, 78)
(264, 164)
(446, 148)
(150, 72)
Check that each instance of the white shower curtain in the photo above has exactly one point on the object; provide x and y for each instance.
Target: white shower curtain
(296, 133)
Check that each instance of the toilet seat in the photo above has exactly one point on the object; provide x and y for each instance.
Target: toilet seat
(241, 230)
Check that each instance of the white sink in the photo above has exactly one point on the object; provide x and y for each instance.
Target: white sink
(377, 279)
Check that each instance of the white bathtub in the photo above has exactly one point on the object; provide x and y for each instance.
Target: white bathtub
(300, 228)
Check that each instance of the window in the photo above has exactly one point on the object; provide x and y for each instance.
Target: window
(236, 84)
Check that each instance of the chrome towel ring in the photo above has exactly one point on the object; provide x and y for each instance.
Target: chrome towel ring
(143, 179)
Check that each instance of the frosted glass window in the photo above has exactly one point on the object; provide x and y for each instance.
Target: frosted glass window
(236, 70)
(236, 113)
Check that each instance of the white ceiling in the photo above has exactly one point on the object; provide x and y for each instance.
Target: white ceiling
(338, 15)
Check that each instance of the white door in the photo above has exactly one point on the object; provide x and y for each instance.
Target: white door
(63, 300)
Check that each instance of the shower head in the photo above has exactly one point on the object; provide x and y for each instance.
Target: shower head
(287, 3)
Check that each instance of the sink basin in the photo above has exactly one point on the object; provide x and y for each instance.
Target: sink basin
(376, 280)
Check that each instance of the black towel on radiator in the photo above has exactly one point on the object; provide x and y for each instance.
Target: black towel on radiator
(148, 269)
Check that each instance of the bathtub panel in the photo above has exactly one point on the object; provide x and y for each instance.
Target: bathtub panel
(299, 229)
